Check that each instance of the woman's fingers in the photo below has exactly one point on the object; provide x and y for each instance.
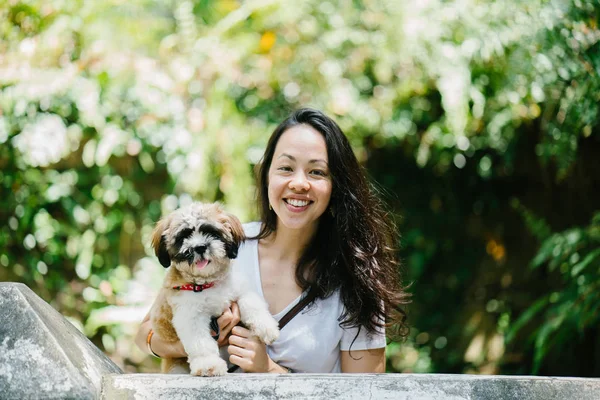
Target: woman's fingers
(238, 355)
(225, 318)
(224, 322)
(229, 319)
(247, 352)
(238, 351)
(240, 331)
(239, 361)
(239, 341)
(244, 358)
(235, 312)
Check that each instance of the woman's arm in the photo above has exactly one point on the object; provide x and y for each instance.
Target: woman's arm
(363, 361)
(226, 321)
(159, 346)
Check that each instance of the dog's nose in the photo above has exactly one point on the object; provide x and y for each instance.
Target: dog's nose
(200, 249)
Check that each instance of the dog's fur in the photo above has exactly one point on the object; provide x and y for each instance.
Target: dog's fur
(185, 240)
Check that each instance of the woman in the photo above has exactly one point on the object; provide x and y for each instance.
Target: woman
(321, 229)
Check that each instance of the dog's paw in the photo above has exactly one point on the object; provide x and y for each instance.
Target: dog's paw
(208, 366)
(266, 330)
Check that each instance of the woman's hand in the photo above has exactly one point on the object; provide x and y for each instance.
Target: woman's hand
(227, 320)
(250, 353)
(158, 345)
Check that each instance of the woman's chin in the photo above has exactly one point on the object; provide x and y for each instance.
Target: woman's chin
(297, 224)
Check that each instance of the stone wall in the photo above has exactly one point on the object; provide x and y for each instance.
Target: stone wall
(349, 386)
(43, 356)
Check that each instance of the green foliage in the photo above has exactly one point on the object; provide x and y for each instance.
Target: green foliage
(566, 313)
(478, 120)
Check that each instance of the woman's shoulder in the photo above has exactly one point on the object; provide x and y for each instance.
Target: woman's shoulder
(251, 229)
(247, 252)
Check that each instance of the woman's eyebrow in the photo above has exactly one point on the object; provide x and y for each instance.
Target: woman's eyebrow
(287, 156)
(318, 160)
(313, 161)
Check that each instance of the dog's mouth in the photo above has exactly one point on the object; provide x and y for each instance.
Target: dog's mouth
(202, 263)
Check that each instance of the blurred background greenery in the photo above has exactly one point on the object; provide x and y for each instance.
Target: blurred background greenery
(476, 120)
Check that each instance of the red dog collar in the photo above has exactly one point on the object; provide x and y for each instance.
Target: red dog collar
(195, 288)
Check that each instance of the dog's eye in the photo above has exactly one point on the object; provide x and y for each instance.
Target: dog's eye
(181, 236)
(210, 230)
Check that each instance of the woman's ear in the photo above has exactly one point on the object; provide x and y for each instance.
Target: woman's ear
(159, 242)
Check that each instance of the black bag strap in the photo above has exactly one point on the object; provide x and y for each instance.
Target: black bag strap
(310, 296)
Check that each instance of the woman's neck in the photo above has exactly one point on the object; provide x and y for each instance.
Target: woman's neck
(288, 244)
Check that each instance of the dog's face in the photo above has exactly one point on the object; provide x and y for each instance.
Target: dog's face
(198, 240)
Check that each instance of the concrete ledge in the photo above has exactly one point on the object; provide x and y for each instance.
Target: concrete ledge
(42, 355)
(349, 386)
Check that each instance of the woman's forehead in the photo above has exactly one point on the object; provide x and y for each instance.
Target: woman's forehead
(301, 142)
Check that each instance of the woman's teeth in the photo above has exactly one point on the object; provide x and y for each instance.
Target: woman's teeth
(297, 203)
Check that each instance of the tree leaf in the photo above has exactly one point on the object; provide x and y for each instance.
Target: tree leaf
(577, 268)
(542, 338)
(527, 315)
(545, 252)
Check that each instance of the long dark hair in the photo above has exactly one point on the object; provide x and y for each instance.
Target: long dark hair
(354, 248)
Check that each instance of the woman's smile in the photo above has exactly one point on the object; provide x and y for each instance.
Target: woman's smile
(297, 205)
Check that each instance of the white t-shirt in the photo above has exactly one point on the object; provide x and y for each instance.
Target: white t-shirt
(312, 340)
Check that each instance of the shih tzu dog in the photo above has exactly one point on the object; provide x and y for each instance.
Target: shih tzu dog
(198, 243)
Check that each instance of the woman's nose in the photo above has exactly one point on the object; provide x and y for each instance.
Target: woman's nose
(299, 183)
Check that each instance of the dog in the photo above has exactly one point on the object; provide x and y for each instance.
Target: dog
(197, 243)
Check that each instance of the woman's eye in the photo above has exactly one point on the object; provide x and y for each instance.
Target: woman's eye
(284, 168)
(318, 172)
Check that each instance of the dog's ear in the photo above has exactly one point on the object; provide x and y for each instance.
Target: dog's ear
(233, 224)
(159, 243)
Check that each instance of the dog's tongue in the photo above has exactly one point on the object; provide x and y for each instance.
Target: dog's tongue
(201, 264)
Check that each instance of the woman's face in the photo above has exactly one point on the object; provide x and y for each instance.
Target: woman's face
(299, 178)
